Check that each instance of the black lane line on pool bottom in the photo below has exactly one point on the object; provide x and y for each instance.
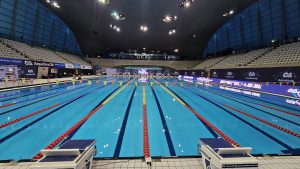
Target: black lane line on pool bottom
(248, 123)
(212, 132)
(167, 132)
(41, 100)
(123, 127)
(37, 120)
(252, 107)
(75, 131)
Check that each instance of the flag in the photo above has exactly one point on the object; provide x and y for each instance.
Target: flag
(151, 84)
(104, 82)
(167, 83)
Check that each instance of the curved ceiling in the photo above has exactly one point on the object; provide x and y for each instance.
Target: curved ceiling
(90, 22)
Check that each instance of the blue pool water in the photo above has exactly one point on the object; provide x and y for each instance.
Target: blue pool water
(173, 130)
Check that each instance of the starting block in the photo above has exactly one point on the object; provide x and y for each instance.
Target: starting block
(73, 154)
(218, 154)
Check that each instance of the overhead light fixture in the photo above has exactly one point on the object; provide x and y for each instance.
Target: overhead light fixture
(104, 2)
(192, 36)
(231, 12)
(144, 28)
(172, 31)
(168, 18)
(186, 3)
(176, 50)
(53, 3)
(115, 28)
(118, 16)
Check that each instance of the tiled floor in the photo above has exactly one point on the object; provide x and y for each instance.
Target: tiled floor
(287, 162)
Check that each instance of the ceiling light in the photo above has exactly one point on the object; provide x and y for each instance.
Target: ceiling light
(144, 28)
(115, 28)
(105, 2)
(231, 12)
(172, 31)
(176, 50)
(192, 36)
(55, 4)
(168, 18)
(118, 16)
(186, 3)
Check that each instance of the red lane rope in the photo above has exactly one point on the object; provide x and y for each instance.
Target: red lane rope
(269, 107)
(68, 132)
(76, 126)
(7, 105)
(265, 122)
(227, 138)
(146, 138)
(283, 111)
(29, 115)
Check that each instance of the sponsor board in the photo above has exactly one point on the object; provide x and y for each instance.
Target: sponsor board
(77, 66)
(85, 67)
(10, 61)
(277, 74)
(59, 65)
(28, 72)
(69, 66)
(38, 63)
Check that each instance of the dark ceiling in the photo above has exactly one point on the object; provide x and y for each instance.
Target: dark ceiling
(202, 18)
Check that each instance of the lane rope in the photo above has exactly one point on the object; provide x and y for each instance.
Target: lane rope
(265, 121)
(146, 137)
(269, 107)
(227, 138)
(48, 95)
(43, 110)
(78, 124)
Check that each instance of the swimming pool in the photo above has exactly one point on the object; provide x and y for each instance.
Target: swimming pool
(131, 120)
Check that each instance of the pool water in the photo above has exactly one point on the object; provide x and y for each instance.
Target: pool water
(173, 119)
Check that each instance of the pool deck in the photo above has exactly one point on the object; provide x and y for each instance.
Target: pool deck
(267, 162)
(35, 82)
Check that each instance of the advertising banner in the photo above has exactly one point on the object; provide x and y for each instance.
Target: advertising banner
(69, 66)
(28, 72)
(10, 61)
(77, 66)
(85, 67)
(198, 73)
(9, 71)
(59, 65)
(38, 63)
(277, 74)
